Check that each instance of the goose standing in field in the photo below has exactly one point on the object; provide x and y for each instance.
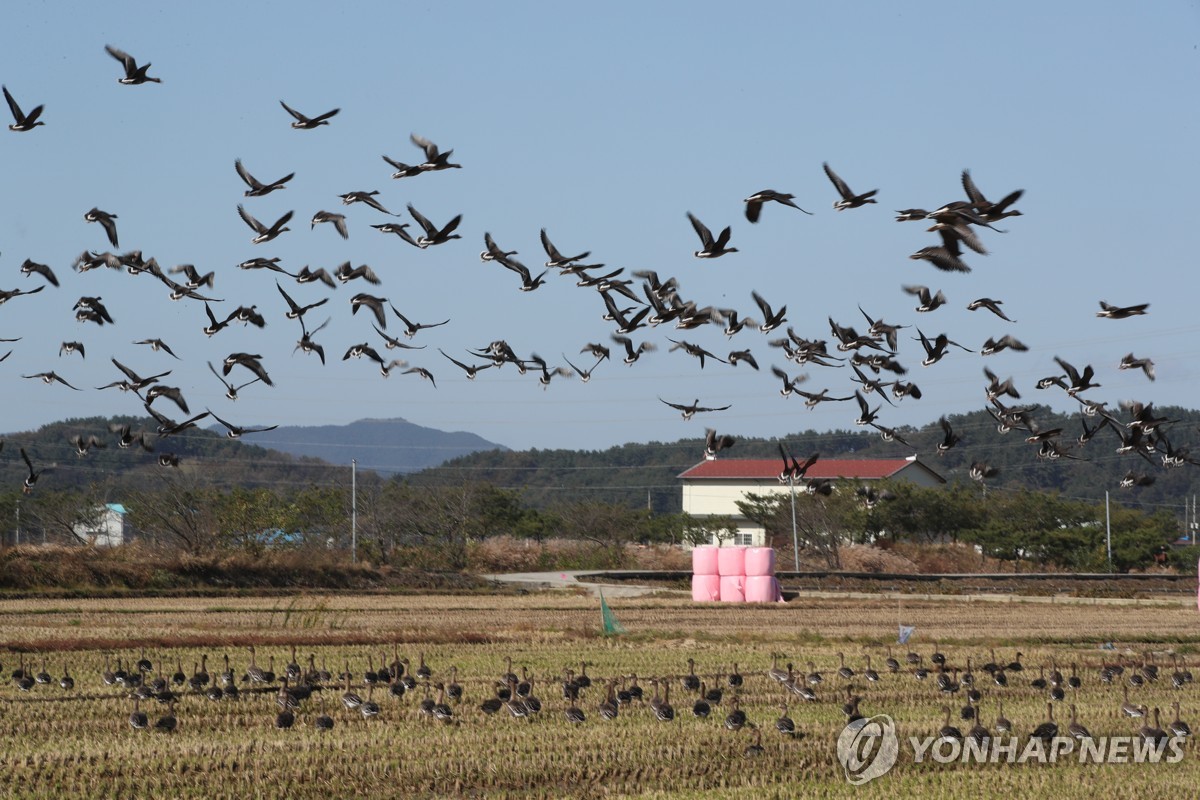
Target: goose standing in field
(137, 719)
(1152, 732)
(755, 202)
(1048, 729)
(948, 731)
(1178, 727)
(735, 720)
(22, 122)
(167, 723)
(701, 707)
(848, 198)
(134, 75)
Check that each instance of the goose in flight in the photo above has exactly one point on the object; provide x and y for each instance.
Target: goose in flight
(433, 234)
(338, 221)
(754, 202)
(307, 275)
(710, 248)
(470, 370)
(403, 170)
(168, 427)
(991, 305)
(1005, 342)
(528, 281)
(771, 319)
(231, 390)
(866, 415)
(714, 444)
(998, 388)
(66, 348)
(255, 187)
(694, 350)
(106, 221)
(30, 266)
(400, 229)
(789, 385)
(557, 259)
(126, 438)
(738, 356)
(988, 211)
(301, 122)
(1121, 312)
(411, 328)
(306, 343)
(981, 471)
(585, 375)
(345, 273)
(435, 160)
(793, 470)
(32, 479)
(172, 393)
(848, 198)
(632, 354)
(134, 382)
(295, 310)
(194, 279)
(375, 304)
(236, 431)
(1144, 364)
(5, 296)
(262, 232)
(51, 377)
(423, 373)
(935, 350)
(367, 198)
(21, 121)
(134, 74)
(250, 362)
(947, 257)
(492, 251)
(83, 445)
(813, 399)
(688, 411)
(1077, 381)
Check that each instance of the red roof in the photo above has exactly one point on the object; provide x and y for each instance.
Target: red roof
(769, 468)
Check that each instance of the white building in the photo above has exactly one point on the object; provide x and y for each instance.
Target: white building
(108, 529)
(711, 489)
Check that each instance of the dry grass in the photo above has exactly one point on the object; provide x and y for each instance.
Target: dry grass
(55, 743)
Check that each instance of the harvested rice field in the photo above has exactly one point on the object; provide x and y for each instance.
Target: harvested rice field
(356, 663)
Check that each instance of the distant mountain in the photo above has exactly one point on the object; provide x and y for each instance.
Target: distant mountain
(386, 446)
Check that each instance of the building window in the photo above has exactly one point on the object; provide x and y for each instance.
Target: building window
(743, 539)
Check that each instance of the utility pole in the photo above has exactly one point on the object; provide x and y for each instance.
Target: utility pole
(353, 511)
(1108, 531)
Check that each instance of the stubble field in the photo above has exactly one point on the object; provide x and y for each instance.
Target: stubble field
(57, 742)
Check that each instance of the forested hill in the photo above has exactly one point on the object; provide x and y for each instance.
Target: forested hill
(641, 474)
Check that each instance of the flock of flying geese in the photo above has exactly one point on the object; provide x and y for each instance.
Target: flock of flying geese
(299, 691)
(632, 304)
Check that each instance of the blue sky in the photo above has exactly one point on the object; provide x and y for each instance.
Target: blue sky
(605, 125)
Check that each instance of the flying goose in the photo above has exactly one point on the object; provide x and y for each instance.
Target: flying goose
(5, 296)
(302, 122)
(30, 266)
(470, 370)
(934, 351)
(83, 445)
(988, 211)
(947, 257)
(411, 328)
(66, 348)
(949, 437)
(492, 251)
(714, 444)
(557, 259)
(256, 187)
(262, 232)
(754, 202)
(848, 198)
(172, 393)
(1144, 364)
(295, 310)
(997, 388)
(789, 385)
(929, 302)
(403, 170)
(866, 414)
(1005, 342)
(235, 431)
(688, 411)
(632, 354)
(1121, 312)
(585, 375)
(1077, 381)
(433, 234)
(194, 279)
(980, 471)
(991, 305)
(367, 198)
(106, 221)
(250, 362)
(393, 343)
(306, 342)
(434, 159)
(345, 273)
(22, 121)
(126, 438)
(528, 282)
(710, 248)
(51, 377)
(32, 479)
(813, 399)
(231, 390)
(738, 356)
(375, 304)
(693, 350)
(168, 426)
(771, 319)
(134, 74)
(307, 275)
(400, 229)
(423, 373)
(338, 220)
